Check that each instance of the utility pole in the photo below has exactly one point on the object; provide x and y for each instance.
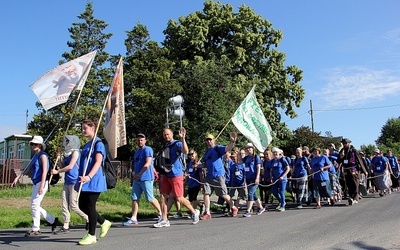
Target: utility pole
(312, 117)
(26, 121)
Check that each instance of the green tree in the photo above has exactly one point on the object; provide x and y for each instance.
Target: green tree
(148, 86)
(390, 136)
(86, 36)
(243, 46)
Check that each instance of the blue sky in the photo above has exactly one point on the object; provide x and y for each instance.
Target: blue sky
(349, 52)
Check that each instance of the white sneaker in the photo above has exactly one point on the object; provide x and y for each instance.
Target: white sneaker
(195, 217)
(163, 223)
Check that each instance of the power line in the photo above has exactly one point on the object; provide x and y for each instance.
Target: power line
(351, 109)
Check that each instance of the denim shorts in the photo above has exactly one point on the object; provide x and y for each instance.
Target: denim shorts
(142, 186)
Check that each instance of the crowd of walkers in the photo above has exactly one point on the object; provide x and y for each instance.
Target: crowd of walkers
(311, 178)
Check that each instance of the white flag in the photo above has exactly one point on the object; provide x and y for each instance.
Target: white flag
(114, 127)
(251, 122)
(54, 87)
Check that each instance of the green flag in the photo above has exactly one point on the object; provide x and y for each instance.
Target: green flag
(251, 122)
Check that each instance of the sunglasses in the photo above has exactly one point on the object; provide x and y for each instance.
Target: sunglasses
(190, 154)
(208, 139)
(34, 144)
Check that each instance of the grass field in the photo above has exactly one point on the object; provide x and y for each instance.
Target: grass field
(114, 205)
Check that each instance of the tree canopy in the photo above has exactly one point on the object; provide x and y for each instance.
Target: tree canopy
(211, 57)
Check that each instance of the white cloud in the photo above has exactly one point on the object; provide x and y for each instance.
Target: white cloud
(346, 88)
(393, 36)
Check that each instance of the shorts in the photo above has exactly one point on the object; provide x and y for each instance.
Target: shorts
(172, 185)
(193, 193)
(240, 191)
(142, 186)
(215, 184)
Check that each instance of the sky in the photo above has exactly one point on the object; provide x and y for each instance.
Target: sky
(349, 52)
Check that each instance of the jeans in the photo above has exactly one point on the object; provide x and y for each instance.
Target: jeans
(278, 189)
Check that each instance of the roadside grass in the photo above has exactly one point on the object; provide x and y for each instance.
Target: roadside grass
(114, 205)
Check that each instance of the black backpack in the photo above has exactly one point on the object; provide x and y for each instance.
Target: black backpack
(162, 161)
(109, 171)
(52, 178)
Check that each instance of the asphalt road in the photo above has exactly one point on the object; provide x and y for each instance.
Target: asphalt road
(371, 224)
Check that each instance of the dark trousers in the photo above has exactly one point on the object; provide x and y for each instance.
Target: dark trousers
(87, 203)
(352, 183)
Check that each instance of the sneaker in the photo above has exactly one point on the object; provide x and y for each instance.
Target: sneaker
(54, 224)
(61, 230)
(355, 201)
(163, 223)
(104, 228)
(205, 216)
(351, 201)
(317, 207)
(278, 207)
(234, 211)
(88, 240)
(178, 216)
(262, 210)
(299, 207)
(247, 214)
(130, 222)
(32, 233)
(281, 209)
(196, 217)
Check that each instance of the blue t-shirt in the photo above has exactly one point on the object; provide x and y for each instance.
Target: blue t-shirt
(213, 161)
(279, 167)
(139, 160)
(237, 175)
(379, 164)
(267, 169)
(175, 152)
(317, 163)
(300, 167)
(98, 181)
(36, 167)
(251, 163)
(392, 161)
(194, 173)
(71, 176)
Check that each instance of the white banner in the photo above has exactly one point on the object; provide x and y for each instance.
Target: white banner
(54, 87)
(251, 122)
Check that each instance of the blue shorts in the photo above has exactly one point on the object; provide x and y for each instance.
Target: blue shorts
(142, 186)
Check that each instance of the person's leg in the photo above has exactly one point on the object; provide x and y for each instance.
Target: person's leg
(149, 195)
(65, 198)
(177, 190)
(165, 189)
(37, 210)
(73, 202)
(282, 190)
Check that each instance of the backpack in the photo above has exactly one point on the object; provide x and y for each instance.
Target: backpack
(109, 171)
(55, 178)
(162, 161)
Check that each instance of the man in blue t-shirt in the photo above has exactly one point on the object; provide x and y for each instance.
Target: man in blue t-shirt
(143, 179)
(215, 178)
(171, 184)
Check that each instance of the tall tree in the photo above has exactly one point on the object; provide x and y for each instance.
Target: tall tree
(390, 136)
(148, 86)
(246, 45)
(86, 36)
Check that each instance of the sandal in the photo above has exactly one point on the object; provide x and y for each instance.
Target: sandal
(32, 233)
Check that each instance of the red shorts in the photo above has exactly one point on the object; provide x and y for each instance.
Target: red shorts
(172, 184)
